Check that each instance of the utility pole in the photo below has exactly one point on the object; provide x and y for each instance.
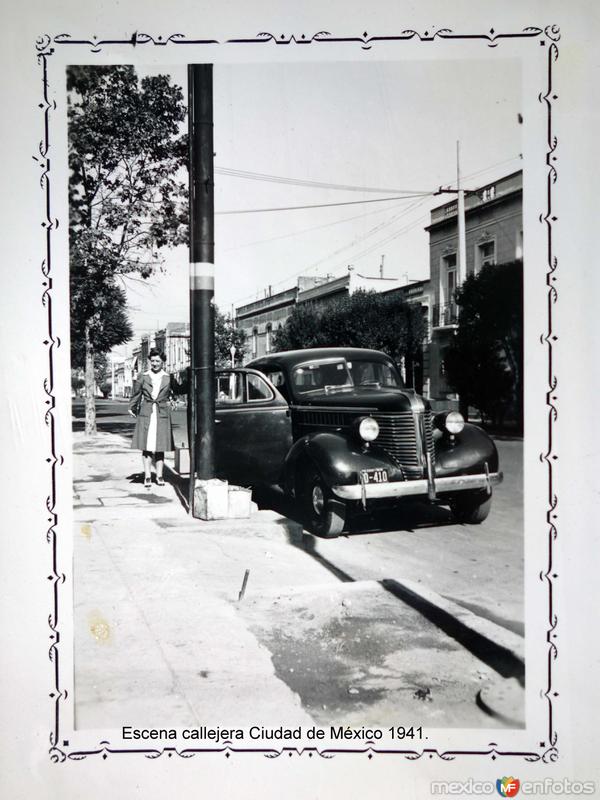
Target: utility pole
(461, 260)
(201, 415)
(461, 270)
(381, 266)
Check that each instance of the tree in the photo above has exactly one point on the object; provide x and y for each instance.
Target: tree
(364, 319)
(226, 335)
(485, 362)
(102, 316)
(302, 329)
(125, 198)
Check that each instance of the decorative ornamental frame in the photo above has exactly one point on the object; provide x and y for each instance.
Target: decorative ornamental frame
(45, 46)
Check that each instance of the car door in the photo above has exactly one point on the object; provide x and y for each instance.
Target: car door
(253, 428)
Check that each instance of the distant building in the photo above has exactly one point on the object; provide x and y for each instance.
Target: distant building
(494, 235)
(146, 345)
(416, 374)
(331, 288)
(136, 358)
(262, 318)
(124, 377)
(174, 342)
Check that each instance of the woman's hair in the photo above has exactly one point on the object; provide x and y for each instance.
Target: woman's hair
(155, 352)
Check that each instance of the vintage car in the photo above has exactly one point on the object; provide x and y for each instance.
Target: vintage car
(337, 430)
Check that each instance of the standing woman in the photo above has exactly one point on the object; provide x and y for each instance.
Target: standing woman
(149, 404)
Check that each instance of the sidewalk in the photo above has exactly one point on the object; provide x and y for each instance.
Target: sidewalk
(144, 580)
(161, 639)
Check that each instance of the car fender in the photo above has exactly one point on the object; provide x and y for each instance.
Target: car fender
(466, 452)
(338, 458)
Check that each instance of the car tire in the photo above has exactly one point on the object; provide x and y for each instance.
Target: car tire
(471, 508)
(324, 514)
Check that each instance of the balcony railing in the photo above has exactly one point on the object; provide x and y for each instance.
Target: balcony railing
(445, 314)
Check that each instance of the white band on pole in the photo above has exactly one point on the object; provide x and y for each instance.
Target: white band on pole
(202, 275)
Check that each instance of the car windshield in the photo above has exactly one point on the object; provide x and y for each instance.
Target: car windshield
(338, 375)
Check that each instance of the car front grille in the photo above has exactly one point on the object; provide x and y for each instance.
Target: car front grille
(407, 437)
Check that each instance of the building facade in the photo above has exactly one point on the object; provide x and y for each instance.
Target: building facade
(124, 377)
(494, 235)
(261, 319)
(174, 342)
(416, 374)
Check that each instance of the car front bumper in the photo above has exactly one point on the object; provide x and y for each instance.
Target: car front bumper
(457, 483)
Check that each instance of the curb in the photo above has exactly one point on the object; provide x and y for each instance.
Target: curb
(500, 648)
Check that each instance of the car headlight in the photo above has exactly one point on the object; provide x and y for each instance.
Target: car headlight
(368, 429)
(454, 422)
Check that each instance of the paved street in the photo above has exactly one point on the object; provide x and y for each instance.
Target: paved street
(462, 562)
(161, 638)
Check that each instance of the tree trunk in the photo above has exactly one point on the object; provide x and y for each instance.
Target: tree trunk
(90, 386)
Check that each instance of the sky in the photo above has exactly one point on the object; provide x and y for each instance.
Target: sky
(374, 125)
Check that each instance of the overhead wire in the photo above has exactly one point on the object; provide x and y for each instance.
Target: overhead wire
(321, 205)
(309, 230)
(314, 265)
(261, 176)
(386, 240)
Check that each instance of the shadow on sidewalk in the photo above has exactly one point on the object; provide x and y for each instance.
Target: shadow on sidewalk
(180, 484)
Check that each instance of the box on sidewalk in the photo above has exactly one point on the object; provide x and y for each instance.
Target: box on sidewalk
(182, 460)
(240, 500)
(215, 499)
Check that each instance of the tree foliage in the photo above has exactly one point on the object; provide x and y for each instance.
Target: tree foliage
(226, 335)
(105, 316)
(126, 198)
(485, 362)
(364, 319)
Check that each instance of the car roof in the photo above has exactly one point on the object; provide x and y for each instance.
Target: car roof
(290, 358)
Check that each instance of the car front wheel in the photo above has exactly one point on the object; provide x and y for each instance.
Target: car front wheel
(471, 508)
(325, 515)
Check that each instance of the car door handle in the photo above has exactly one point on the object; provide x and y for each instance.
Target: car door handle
(217, 421)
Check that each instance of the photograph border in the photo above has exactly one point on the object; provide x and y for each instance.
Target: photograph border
(45, 47)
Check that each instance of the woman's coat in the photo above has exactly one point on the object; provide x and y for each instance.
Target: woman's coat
(141, 403)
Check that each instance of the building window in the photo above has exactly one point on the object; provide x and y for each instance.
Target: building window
(443, 366)
(519, 247)
(268, 338)
(488, 193)
(426, 323)
(485, 254)
(254, 341)
(447, 309)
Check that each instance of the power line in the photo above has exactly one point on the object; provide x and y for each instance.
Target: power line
(264, 177)
(308, 230)
(345, 247)
(362, 237)
(347, 219)
(322, 205)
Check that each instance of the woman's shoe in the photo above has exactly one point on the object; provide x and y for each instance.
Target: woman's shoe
(160, 482)
(147, 483)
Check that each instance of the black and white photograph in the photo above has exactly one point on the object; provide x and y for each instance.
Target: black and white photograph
(298, 345)
(330, 534)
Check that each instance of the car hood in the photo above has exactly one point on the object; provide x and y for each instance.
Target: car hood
(366, 398)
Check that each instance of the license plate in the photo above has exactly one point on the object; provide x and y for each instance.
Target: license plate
(374, 475)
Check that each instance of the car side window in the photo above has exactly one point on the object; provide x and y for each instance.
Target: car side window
(278, 379)
(229, 389)
(258, 389)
